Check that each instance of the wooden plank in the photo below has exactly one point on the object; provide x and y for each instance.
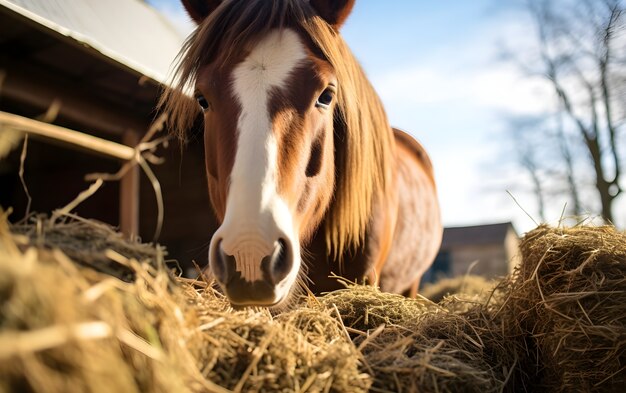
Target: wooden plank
(129, 193)
(67, 137)
(81, 103)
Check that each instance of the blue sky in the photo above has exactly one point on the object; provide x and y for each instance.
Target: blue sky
(437, 66)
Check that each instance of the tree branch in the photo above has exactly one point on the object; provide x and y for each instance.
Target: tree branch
(603, 64)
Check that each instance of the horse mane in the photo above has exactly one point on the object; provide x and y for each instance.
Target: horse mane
(364, 144)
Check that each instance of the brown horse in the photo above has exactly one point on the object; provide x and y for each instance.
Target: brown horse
(305, 174)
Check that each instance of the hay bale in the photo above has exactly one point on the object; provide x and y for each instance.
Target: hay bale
(364, 307)
(67, 324)
(250, 350)
(64, 328)
(569, 297)
(86, 242)
(67, 327)
(415, 345)
(469, 287)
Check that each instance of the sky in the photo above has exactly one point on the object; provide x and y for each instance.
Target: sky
(439, 69)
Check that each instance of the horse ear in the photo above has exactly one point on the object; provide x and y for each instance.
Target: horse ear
(335, 12)
(200, 9)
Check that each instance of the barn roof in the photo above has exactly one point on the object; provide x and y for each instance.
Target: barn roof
(128, 32)
(476, 235)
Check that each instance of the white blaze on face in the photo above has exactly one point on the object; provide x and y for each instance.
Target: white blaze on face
(256, 215)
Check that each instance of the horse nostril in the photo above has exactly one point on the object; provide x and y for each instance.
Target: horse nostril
(281, 262)
(222, 264)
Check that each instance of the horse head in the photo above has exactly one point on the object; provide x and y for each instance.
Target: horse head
(268, 97)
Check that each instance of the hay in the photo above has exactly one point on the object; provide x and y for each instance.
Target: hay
(68, 325)
(70, 329)
(470, 287)
(87, 242)
(250, 350)
(570, 296)
(415, 345)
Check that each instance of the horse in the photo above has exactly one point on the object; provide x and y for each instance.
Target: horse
(306, 177)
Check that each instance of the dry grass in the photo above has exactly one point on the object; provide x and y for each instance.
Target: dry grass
(470, 287)
(301, 350)
(415, 345)
(569, 297)
(67, 327)
(68, 323)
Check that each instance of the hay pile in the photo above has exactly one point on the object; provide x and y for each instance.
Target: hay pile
(86, 242)
(414, 345)
(470, 287)
(66, 328)
(68, 325)
(569, 299)
(301, 350)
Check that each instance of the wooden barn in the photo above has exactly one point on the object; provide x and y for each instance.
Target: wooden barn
(490, 250)
(96, 67)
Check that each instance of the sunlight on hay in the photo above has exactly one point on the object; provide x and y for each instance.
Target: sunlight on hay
(468, 287)
(298, 350)
(84, 310)
(9, 141)
(416, 345)
(570, 293)
(68, 328)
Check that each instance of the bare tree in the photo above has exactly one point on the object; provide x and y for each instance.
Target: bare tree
(525, 145)
(543, 151)
(566, 153)
(581, 54)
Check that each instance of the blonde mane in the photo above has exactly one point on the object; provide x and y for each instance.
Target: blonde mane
(364, 144)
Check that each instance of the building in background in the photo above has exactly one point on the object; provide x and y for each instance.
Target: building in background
(487, 250)
(103, 64)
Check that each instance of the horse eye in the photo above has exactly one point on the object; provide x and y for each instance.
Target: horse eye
(325, 99)
(204, 104)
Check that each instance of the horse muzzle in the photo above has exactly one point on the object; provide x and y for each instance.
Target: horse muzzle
(251, 274)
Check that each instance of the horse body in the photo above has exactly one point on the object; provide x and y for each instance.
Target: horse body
(403, 235)
(305, 174)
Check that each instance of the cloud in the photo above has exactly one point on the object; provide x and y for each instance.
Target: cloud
(453, 100)
(494, 87)
(456, 114)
